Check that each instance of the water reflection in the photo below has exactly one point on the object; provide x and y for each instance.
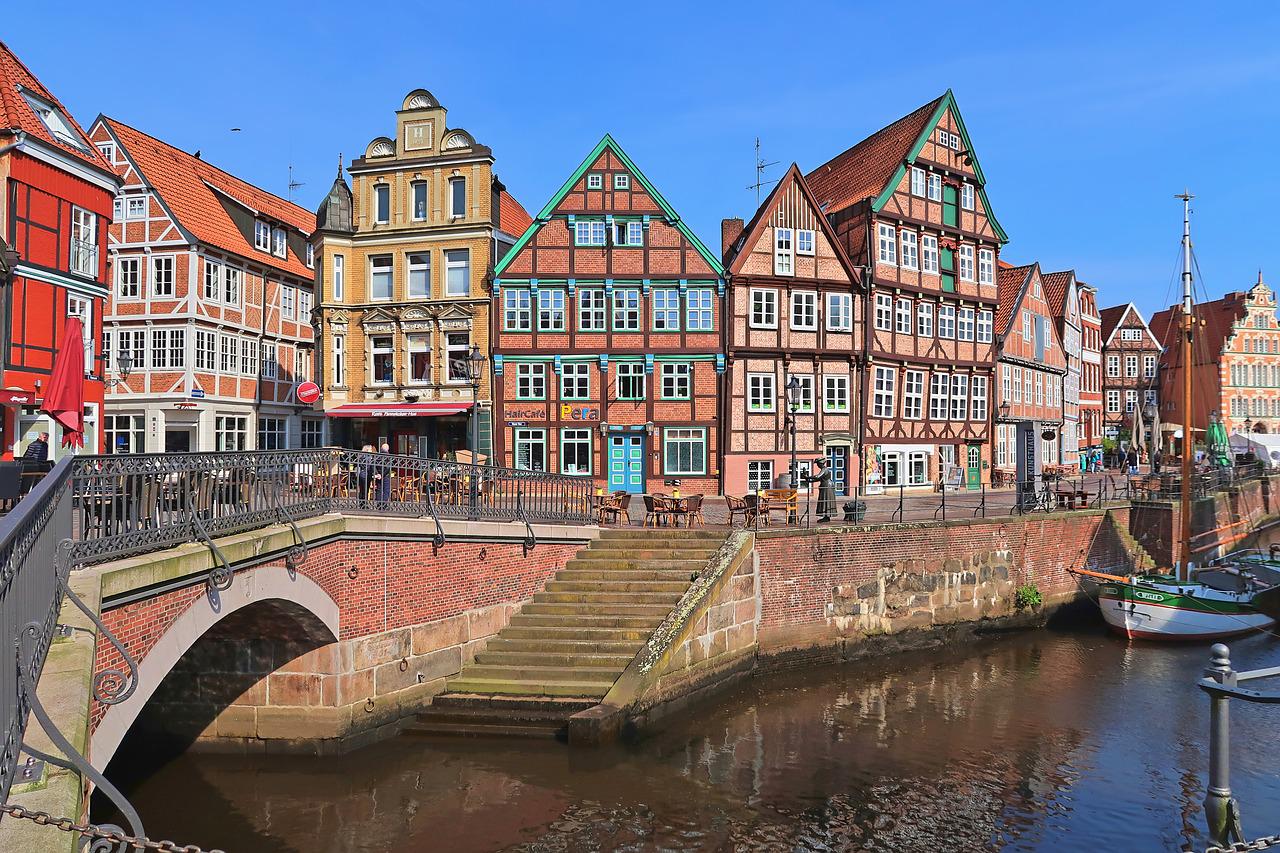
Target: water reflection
(1031, 742)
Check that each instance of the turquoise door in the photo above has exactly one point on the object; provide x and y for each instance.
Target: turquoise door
(626, 463)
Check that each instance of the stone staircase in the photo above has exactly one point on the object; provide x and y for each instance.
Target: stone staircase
(568, 645)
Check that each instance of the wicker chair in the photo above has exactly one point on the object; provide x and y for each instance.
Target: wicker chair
(616, 507)
(693, 510)
(740, 506)
(657, 509)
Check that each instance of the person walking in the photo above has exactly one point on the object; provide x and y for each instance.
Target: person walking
(826, 489)
(1131, 459)
(383, 476)
(38, 450)
(364, 472)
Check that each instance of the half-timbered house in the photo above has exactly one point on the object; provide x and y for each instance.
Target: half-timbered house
(1131, 356)
(793, 313)
(607, 329)
(1063, 297)
(1090, 367)
(910, 206)
(1030, 370)
(54, 211)
(211, 299)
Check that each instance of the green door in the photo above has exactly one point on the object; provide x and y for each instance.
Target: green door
(973, 479)
(949, 205)
(949, 270)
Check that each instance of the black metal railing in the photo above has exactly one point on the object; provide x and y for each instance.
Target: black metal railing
(1167, 486)
(131, 504)
(30, 594)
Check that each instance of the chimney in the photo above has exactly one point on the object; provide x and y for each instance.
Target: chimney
(730, 231)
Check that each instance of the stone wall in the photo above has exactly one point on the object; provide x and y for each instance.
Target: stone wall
(1219, 523)
(832, 588)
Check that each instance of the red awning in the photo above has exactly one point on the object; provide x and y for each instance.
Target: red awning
(16, 397)
(397, 410)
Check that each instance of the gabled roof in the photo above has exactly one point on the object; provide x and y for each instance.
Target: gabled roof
(512, 217)
(17, 115)
(1011, 283)
(548, 209)
(872, 169)
(1056, 287)
(751, 232)
(194, 190)
(1112, 318)
(1219, 319)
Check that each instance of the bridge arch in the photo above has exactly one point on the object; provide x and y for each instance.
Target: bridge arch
(260, 585)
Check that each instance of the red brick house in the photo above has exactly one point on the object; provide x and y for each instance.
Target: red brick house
(910, 206)
(1236, 362)
(1062, 293)
(54, 215)
(1090, 367)
(607, 345)
(1030, 370)
(794, 311)
(1130, 355)
(212, 298)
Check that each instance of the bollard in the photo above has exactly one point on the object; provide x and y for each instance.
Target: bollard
(1221, 811)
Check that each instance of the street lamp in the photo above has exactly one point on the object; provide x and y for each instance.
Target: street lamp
(1248, 425)
(475, 370)
(1005, 408)
(793, 405)
(124, 366)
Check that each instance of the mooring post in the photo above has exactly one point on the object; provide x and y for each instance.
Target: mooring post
(1220, 809)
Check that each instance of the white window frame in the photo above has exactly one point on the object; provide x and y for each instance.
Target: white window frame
(531, 381)
(633, 373)
(887, 241)
(986, 266)
(517, 309)
(457, 200)
(884, 398)
(978, 396)
(804, 241)
(129, 201)
(934, 192)
(377, 272)
(965, 324)
(986, 326)
(128, 283)
(593, 310)
(910, 249)
(339, 277)
(665, 309)
(415, 344)
(939, 396)
(589, 232)
(700, 309)
(419, 208)
(804, 310)
(279, 242)
(959, 396)
(627, 308)
(903, 316)
(947, 322)
(913, 394)
(694, 437)
(675, 381)
(232, 278)
(929, 256)
(418, 266)
(784, 257)
(966, 262)
(339, 347)
(917, 182)
(924, 319)
(376, 350)
(804, 392)
(839, 312)
(762, 392)
(261, 235)
(457, 272)
(524, 444)
(966, 196)
(551, 310)
(621, 181)
(578, 438)
(575, 380)
(884, 312)
(83, 257)
(764, 308)
(835, 393)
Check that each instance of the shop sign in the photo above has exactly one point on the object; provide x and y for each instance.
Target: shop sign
(579, 413)
(532, 413)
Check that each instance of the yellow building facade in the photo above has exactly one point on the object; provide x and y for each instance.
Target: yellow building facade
(403, 257)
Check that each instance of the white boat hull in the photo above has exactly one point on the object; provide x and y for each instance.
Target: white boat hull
(1152, 620)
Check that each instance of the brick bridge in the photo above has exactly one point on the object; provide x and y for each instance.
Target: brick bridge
(308, 617)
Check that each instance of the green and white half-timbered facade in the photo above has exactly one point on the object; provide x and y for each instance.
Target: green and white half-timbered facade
(607, 347)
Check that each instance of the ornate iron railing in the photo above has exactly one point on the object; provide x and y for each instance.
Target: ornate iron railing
(30, 594)
(131, 504)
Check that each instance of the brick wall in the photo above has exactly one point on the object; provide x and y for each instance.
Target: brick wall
(402, 602)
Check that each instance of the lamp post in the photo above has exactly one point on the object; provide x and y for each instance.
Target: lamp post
(1248, 425)
(793, 406)
(475, 369)
(124, 367)
(1005, 408)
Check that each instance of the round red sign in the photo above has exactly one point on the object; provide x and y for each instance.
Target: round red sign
(308, 392)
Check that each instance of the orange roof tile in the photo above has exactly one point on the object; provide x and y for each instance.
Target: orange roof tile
(864, 170)
(512, 217)
(189, 186)
(1110, 318)
(1055, 290)
(1009, 282)
(17, 114)
(1219, 318)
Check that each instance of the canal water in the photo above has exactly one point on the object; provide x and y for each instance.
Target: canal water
(1046, 740)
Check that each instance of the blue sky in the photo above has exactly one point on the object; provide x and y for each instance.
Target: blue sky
(1087, 116)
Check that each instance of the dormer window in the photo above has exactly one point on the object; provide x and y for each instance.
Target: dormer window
(58, 125)
(279, 247)
(595, 181)
(108, 151)
(262, 236)
(622, 182)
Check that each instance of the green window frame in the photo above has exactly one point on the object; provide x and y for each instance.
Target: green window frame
(684, 451)
(626, 309)
(575, 381)
(666, 309)
(531, 381)
(699, 310)
(630, 380)
(517, 310)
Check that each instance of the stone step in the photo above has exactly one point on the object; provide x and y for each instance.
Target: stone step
(541, 644)
(588, 660)
(561, 633)
(481, 727)
(641, 625)
(473, 684)
(649, 533)
(597, 563)
(598, 608)
(682, 548)
(646, 554)
(540, 674)
(624, 585)
(607, 595)
(544, 707)
(624, 576)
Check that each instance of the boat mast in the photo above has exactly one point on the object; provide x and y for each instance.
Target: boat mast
(1188, 434)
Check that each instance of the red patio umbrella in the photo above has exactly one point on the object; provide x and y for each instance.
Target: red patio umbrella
(64, 398)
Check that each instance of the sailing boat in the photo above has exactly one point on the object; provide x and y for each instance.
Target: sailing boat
(1190, 604)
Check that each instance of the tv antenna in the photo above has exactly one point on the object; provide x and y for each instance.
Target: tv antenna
(761, 165)
(293, 185)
